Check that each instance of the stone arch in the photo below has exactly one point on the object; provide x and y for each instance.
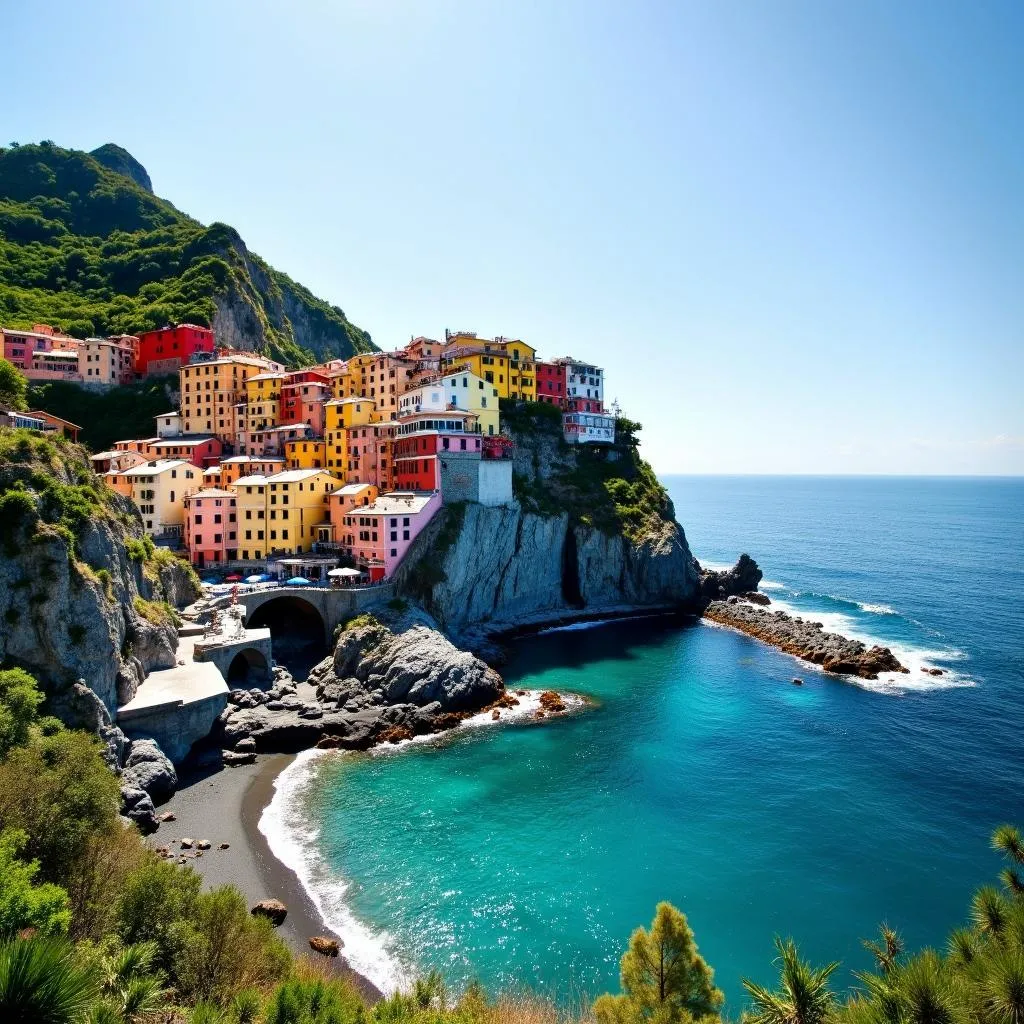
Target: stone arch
(248, 666)
(298, 631)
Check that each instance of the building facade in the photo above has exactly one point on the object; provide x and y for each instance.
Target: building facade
(382, 531)
(168, 349)
(211, 527)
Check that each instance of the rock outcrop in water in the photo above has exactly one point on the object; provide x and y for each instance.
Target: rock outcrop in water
(805, 639)
(742, 578)
(389, 678)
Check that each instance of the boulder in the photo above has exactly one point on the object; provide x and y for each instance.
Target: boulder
(137, 807)
(325, 946)
(405, 661)
(148, 767)
(273, 910)
(232, 758)
(743, 578)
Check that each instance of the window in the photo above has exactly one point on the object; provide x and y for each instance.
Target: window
(199, 520)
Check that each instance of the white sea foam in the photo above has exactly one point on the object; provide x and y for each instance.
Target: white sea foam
(915, 659)
(876, 609)
(293, 840)
(571, 627)
(771, 585)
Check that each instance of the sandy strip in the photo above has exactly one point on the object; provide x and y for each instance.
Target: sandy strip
(225, 807)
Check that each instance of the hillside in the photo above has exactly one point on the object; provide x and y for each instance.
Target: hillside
(86, 246)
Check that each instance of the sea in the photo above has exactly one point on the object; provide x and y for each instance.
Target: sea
(523, 855)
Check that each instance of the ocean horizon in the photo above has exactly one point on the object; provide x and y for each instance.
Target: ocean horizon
(524, 855)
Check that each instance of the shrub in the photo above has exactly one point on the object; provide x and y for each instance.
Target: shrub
(151, 900)
(20, 698)
(222, 949)
(23, 902)
(44, 980)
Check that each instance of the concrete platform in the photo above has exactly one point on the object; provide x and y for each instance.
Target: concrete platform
(176, 706)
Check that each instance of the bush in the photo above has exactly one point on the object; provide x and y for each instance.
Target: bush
(222, 949)
(151, 901)
(23, 902)
(19, 707)
(60, 793)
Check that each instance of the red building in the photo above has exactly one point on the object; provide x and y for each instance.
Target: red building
(551, 384)
(303, 394)
(200, 451)
(165, 351)
(594, 405)
(422, 438)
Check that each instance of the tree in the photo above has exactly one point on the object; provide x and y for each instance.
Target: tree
(13, 386)
(42, 981)
(803, 996)
(1009, 842)
(887, 951)
(663, 976)
(19, 705)
(23, 903)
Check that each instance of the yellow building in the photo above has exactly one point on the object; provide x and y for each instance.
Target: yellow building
(211, 390)
(311, 454)
(509, 365)
(262, 405)
(522, 370)
(279, 514)
(159, 489)
(455, 390)
(340, 415)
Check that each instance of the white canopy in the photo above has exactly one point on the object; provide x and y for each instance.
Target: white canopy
(344, 572)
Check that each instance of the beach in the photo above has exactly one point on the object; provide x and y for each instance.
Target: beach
(224, 806)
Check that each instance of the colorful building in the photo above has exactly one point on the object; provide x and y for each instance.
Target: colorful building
(307, 453)
(168, 349)
(158, 489)
(584, 386)
(369, 454)
(43, 353)
(381, 377)
(382, 531)
(200, 451)
(210, 391)
(551, 383)
(115, 461)
(509, 365)
(340, 415)
(422, 438)
(280, 514)
(463, 390)
(588, 428)
(303, 394)
(210, 527)
(50, 422)
(331, 531)
(236, 466)
(108, 362)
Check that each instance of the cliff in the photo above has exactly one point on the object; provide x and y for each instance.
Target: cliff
(591, 531)
(83, 595)
(85, 245)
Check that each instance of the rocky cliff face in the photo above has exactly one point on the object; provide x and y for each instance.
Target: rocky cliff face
(75, 605)
(505, 567)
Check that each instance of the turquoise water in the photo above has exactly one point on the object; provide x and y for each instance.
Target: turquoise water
(525, 855)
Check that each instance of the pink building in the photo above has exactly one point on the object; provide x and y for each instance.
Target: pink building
(210, 527)
(303, 394)
(200, 451)
(43, 353)
(334, 532)
(370, 458)
(382, 531)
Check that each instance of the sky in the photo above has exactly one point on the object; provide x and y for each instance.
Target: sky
(792, 232)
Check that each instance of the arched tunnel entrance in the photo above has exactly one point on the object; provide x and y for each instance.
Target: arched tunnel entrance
(297, 630)
(248, 668)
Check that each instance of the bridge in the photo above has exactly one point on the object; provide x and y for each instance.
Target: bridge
(330, 605)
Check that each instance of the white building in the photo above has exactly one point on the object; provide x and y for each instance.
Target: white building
(459, 390)
(588, 428)
(582, 380)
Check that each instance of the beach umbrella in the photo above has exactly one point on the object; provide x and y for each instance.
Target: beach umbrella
(233, 578)
(344, 572)
(297, 581)
(211, 580)
(258, 578)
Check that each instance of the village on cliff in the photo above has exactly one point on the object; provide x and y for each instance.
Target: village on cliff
(319, 476)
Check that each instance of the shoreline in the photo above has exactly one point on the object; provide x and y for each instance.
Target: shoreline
(226, 805)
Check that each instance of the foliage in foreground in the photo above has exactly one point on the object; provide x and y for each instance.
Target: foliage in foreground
(95, 929)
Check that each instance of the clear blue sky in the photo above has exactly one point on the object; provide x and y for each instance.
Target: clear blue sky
(792, 232)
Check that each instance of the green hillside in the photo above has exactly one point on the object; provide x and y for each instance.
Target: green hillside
(90, 249)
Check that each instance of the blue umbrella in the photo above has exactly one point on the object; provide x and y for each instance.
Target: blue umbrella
(297, 581)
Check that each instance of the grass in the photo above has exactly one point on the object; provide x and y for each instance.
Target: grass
(160, 613)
